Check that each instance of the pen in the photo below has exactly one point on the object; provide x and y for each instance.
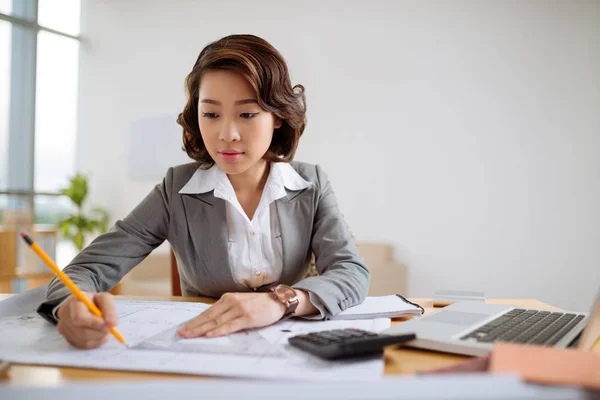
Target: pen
(68, 282)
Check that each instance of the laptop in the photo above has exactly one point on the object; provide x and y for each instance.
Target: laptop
(471, 328)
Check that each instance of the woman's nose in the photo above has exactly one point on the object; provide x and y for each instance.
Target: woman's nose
(229, 132)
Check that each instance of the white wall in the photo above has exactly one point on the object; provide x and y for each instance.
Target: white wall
(465, 133)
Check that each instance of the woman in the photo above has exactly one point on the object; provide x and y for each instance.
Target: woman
(243, 220)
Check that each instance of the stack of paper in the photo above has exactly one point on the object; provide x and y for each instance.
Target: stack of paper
(393, 306)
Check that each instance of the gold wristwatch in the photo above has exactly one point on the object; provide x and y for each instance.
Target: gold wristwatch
(286, 295)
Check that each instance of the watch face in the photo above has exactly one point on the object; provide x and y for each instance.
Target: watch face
(285, 292)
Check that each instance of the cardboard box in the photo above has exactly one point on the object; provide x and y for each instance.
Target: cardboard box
(8, 251)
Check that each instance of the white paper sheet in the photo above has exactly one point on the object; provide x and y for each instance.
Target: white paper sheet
(150, 331)
(390, 306)
(23, 303)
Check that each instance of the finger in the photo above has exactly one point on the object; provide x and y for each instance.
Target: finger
(106, 304)
(83, 318)
(87, 339)
(91, 343)
(205, 318)
(211, 313)
(71, 303)
(212, 324)
(87, 333)
(72, 310)
(64, 310)
(234, 325)
(84, 333)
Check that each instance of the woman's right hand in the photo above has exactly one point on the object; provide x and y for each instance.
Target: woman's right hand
(83, 329)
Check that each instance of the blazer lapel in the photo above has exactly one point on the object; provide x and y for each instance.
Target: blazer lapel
(296, 213)
(207, 227)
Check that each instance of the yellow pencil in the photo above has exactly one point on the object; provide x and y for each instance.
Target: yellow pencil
(68, 283)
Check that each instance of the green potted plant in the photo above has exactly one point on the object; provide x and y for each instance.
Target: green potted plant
(76, 226)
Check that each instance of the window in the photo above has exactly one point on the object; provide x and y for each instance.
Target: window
(56, 106)
(39, 57)
(5, 6)
(5, 36)
(62, 15)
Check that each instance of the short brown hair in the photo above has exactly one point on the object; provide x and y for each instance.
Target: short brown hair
(266, 71)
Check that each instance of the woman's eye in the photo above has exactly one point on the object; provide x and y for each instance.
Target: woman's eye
(210, 115)
(248, 115)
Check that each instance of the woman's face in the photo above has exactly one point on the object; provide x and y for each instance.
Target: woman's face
(236, 131)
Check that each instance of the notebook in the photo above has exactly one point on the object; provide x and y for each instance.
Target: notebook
(392, 306)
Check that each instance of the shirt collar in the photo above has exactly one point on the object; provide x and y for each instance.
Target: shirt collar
(282, 175)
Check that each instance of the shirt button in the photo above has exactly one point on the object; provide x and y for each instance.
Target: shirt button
(252, 233)
(257, 273)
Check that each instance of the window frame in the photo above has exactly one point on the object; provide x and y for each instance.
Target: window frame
(23, 91)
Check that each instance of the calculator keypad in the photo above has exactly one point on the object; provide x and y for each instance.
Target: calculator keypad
(335, 336)
(350, 342)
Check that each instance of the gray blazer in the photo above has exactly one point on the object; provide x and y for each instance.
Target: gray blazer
(195, 225)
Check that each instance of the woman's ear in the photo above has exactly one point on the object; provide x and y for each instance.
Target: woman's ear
(278, 123)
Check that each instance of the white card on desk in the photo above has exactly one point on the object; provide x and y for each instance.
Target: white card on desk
(392, 306)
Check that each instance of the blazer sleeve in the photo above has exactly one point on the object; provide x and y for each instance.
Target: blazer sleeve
(343, 279)
(102, 264)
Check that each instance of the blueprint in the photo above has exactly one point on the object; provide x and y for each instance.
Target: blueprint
(150, 329)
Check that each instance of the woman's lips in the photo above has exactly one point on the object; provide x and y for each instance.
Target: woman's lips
(230, 155)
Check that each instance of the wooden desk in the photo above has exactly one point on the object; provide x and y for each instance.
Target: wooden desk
(397, 361)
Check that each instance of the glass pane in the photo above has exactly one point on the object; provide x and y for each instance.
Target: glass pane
(56, 111)
(5, 6)
(63, 15)
(14, 210)
(49, 210)
(5, 56)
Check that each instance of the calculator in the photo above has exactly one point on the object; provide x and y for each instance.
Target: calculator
(345, 343)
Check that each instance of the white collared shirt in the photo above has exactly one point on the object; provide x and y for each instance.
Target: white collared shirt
(255, 247)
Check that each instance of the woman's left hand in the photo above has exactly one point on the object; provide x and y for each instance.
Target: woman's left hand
(234, 312)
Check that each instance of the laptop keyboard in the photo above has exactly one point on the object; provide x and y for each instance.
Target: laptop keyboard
(526, 326)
